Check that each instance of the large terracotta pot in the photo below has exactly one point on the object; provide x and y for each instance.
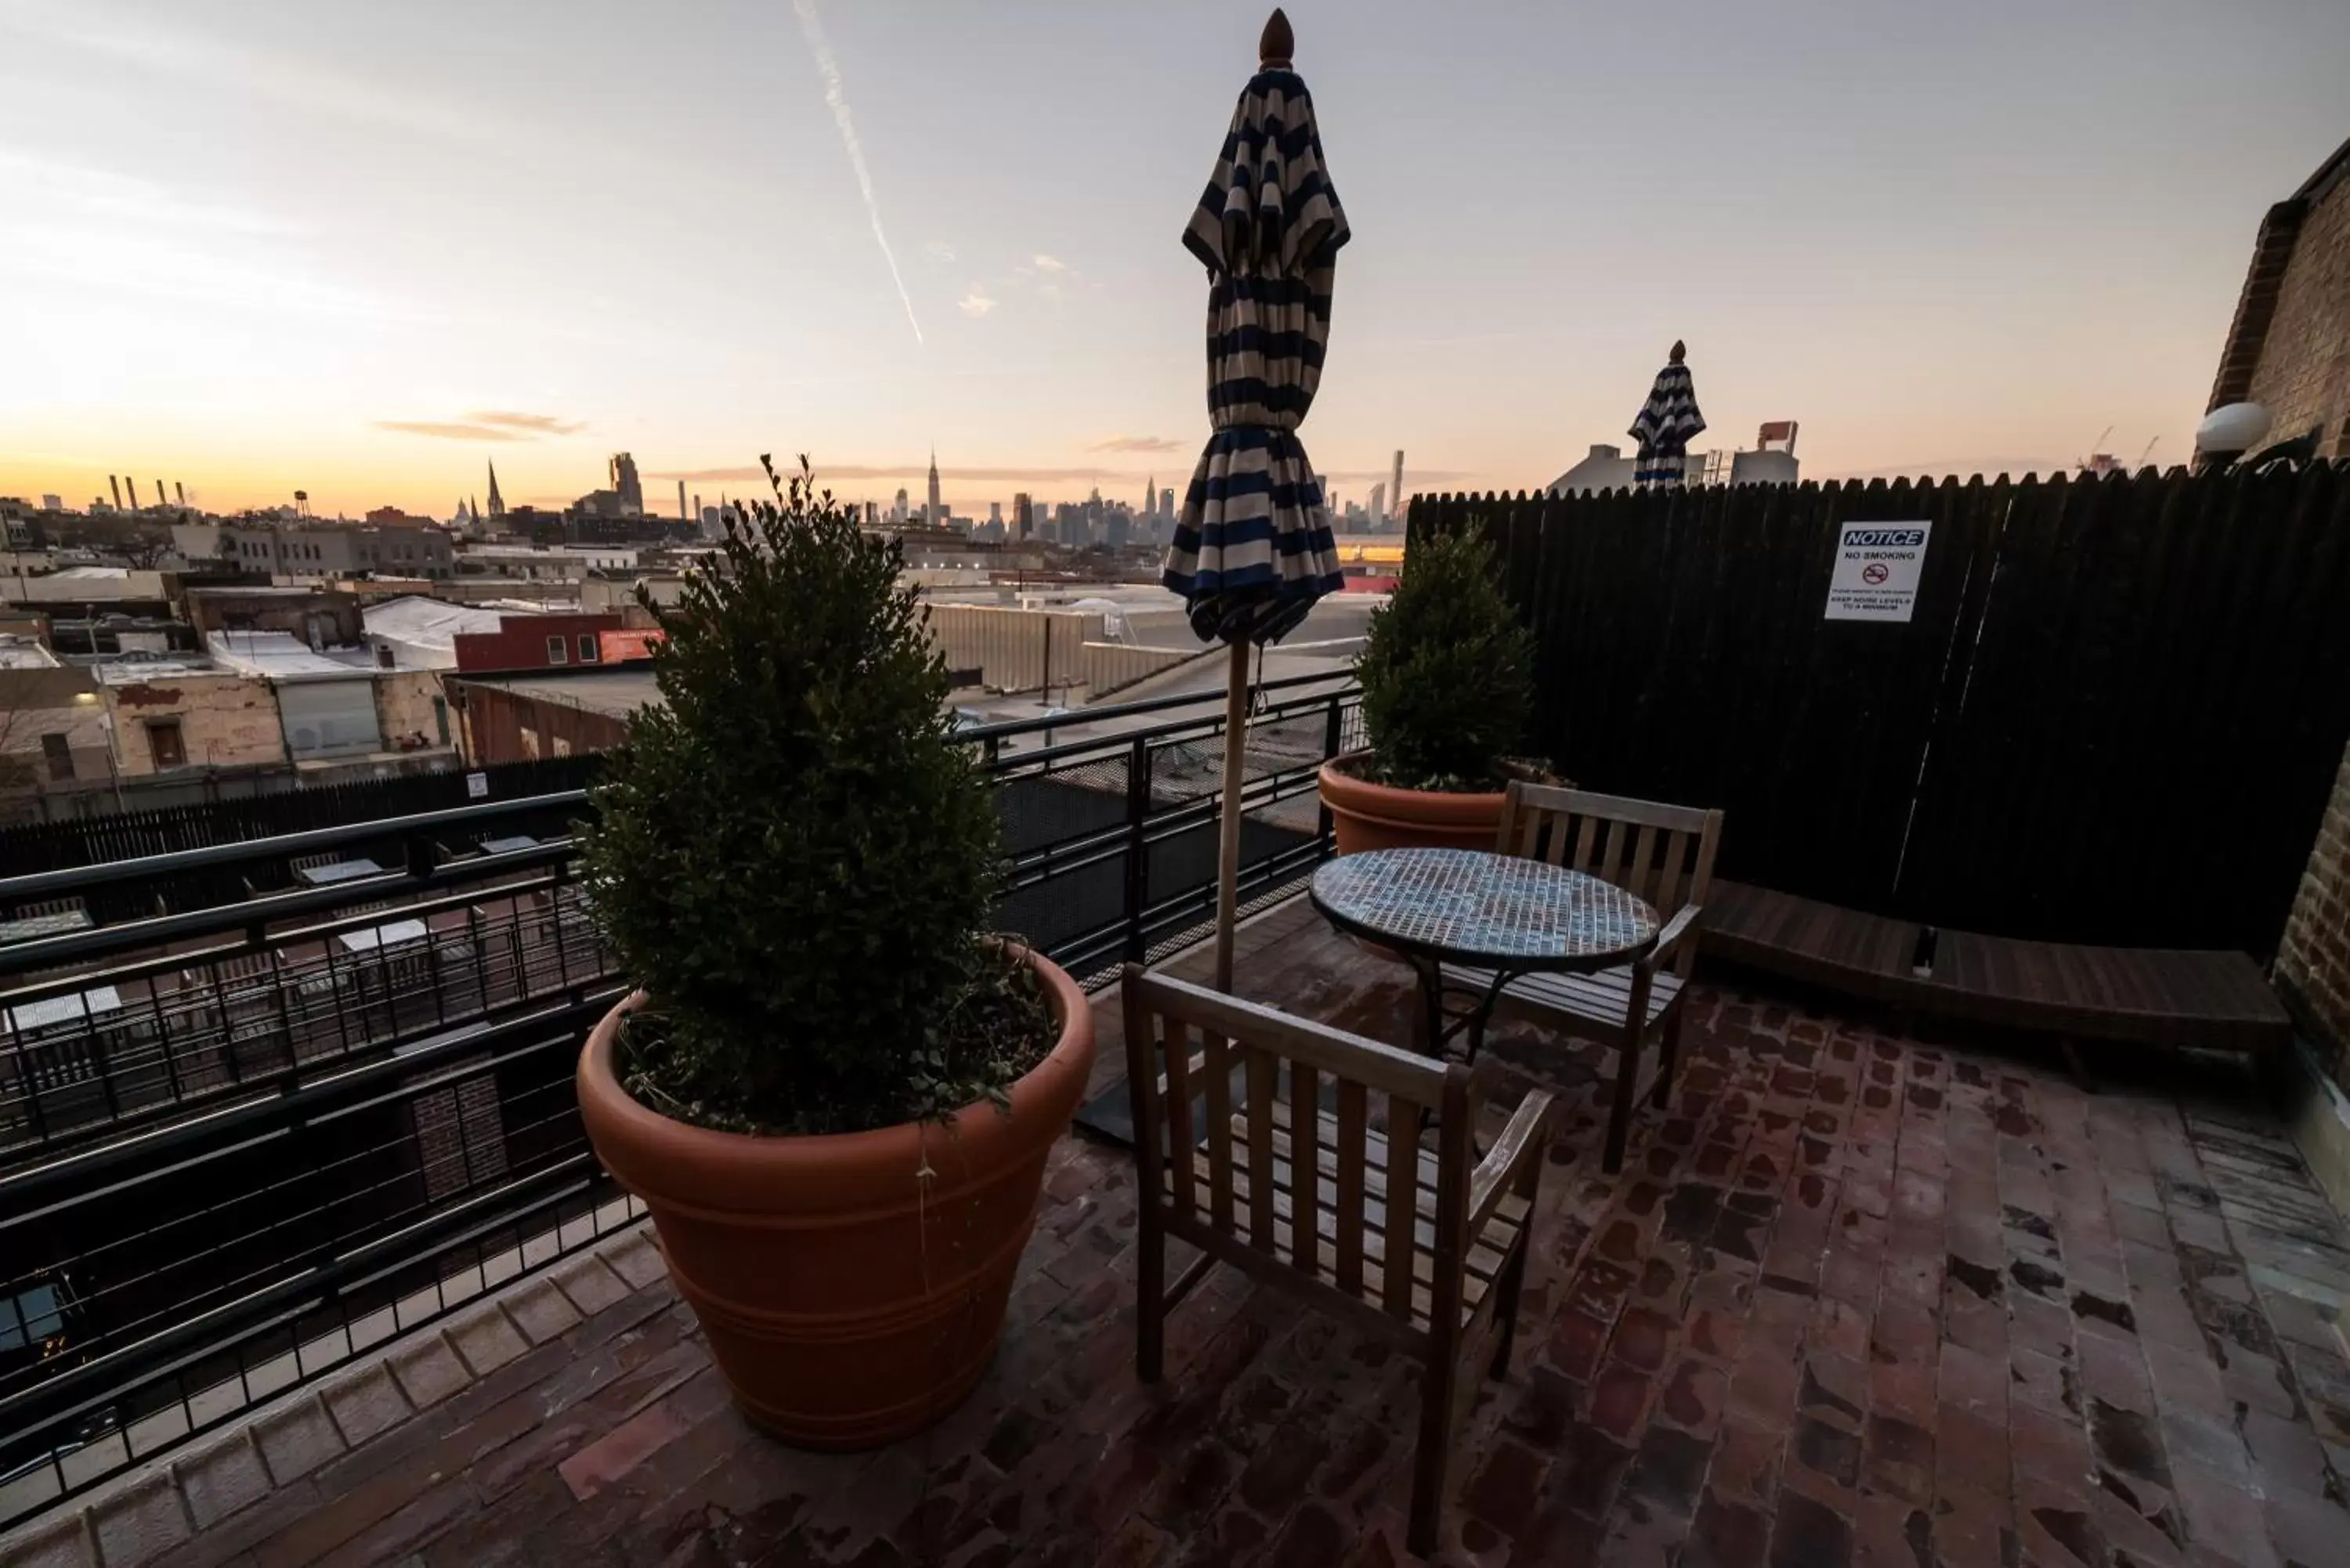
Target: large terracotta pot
(1366, 816)
(847, 1301)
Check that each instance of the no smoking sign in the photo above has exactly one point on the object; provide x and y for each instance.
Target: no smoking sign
(1878, 566)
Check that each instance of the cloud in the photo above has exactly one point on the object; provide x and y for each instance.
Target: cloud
(939, 251)
(539, 424)
(486, 424)
(975, 301)
(303, 82)
(1137, 443)
(837, 97)
(1051, 264)
(102, 233)
(442, 429)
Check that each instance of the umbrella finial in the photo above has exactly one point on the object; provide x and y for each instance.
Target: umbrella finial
(1278, 44)
(1680, 351)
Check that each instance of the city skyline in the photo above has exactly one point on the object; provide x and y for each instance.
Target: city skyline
(851, 250)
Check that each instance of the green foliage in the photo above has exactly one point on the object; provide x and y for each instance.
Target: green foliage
(1447, 671)
(794, 858)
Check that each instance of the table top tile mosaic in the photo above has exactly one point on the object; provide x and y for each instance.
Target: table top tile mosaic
(1474, 905)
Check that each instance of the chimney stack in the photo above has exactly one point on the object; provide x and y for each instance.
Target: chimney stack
(115, 485)
(130, 490)
(182, 490)
(160, 501)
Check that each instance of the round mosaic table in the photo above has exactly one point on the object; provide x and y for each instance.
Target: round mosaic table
(1502, 915)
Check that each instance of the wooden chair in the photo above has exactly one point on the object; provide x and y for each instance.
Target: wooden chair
(1662, 855)
(1227, 1165)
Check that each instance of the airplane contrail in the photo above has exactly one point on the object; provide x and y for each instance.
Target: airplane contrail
(838, 100)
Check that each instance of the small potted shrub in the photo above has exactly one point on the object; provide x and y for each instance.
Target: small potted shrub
(834, 1092)
(1447, 675)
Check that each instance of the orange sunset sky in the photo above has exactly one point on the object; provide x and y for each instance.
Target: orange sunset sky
(364, 251)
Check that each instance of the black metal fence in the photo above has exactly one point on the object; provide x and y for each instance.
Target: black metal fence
(2114, 716)
(29, 847)
(241, 1143)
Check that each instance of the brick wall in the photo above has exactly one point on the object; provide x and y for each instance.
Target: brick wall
(2287, 348)
(225, 721)
(507, 727)
(2313, 966)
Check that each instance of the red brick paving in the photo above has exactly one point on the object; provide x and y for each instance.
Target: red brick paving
(1854, 1299)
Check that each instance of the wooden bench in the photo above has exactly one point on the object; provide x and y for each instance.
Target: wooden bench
(1228, 1164)
(2150, 996)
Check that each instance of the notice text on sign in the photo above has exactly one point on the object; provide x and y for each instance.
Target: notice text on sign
(1878, 566)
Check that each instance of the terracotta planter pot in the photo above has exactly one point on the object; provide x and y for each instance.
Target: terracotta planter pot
(1366, 816)
(847, 1301)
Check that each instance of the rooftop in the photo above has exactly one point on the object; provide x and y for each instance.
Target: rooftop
(282, 656)
(428, 624)
(615, 692)
(1856, 1297)
(157, 666)
(25, 653)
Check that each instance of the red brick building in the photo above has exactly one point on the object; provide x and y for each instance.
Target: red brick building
(2287, 348)
(536, 642)
(515, 718)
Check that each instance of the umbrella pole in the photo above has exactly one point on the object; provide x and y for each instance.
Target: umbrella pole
(1228, 869)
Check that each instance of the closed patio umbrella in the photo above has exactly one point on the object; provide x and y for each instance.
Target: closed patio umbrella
(1252, 551)
(1666, 424)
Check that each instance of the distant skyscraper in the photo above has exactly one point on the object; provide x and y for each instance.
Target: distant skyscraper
(1322, 484)
(1379, 502)
(1167, 506)
(898, 512)
(625, 485)
(52, 504)
(497, 502)
(1395, 484)
(680, 501)
(995, 512)
(934, 515)
(1149, 490)
(1024, 516)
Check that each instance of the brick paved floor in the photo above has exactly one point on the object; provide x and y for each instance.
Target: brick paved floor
(1854, 1299)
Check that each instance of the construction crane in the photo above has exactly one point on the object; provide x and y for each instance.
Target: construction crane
(2146, 453)
(2092, 463)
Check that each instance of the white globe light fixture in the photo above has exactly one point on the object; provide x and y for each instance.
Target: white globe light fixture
(2236, 428)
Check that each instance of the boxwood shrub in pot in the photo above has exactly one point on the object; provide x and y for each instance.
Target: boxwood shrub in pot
(833, 1090)
(1447, 674)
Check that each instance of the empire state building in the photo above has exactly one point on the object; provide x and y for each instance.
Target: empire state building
(935, 516)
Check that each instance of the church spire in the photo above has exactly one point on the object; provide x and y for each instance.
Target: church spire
(497, 504)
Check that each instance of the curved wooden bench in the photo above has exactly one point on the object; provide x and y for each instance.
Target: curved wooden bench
(2150, 996)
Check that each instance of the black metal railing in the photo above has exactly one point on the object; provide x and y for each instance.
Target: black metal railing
(244, 1142)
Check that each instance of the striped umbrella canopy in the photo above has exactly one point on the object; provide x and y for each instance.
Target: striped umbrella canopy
(1666, 424)
(1252, 551)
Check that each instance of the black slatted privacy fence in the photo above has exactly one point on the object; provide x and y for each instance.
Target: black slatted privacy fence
(2114, 716)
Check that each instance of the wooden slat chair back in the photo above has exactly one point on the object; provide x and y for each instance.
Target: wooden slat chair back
(1662, 855)
(1292, 1151)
